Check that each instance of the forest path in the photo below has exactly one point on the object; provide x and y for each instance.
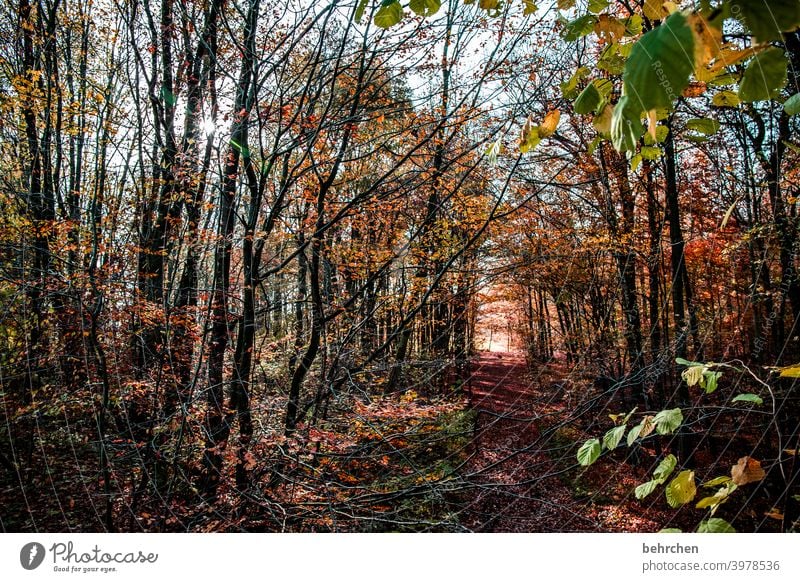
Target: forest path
(523, 473)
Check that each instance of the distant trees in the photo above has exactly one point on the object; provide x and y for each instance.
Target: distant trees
(236, 220)
(213, 205)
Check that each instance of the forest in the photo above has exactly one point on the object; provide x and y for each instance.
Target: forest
(399, 266)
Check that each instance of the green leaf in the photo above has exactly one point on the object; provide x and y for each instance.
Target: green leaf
(766, 19)
(626, 125)
(661, 134)
(628, 416)
(764, 76)
(168, 96)
(636, 161)
(665, 468)
(425, 7)
(684, 362)
(681, 489)
(613, 437)
(593, 145)
(362, 5)
(604, 87)
(725, 99)
(245, 151)
(670, 530)
(646, 489)
(565, 4)
(792, 105)
(660, 64)
(579, 27)
(597, 6)
(668, 420)
(633, 25)
(715, 525)
(388, 15)
(754, 398)
(791, 146)
(569, 89)
(588, 101)
(704, 126)
(633, 434)
(611, 60)
(589, 452)
(709, 381)
(650, 152)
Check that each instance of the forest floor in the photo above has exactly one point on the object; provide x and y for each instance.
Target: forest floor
(522, 466)
(502, 460)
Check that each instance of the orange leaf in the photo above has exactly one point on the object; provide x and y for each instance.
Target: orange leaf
(550, 123)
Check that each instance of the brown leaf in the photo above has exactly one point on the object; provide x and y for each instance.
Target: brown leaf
(695, 89)
(747, 470)
(249, 461)
(648, 426)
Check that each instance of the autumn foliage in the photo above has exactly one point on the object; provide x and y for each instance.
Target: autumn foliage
(252, 257)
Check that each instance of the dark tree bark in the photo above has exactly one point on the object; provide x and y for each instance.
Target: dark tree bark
(217, 423)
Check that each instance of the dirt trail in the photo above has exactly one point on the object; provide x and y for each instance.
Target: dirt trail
(512, 460)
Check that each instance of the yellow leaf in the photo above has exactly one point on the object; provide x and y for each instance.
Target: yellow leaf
(725, 99)
(651, 124)
(717, 499)
(728, 54)
(790, 371)
(530, 137)
(530, 7)
(652, 9)
(747, 470)
(611, 28)
(669, 8)
(708, 502)
(681, 490)
(707, 40)
(602, 122)
(693, 374)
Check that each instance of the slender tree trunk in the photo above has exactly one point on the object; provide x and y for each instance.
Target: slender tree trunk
(217, 423)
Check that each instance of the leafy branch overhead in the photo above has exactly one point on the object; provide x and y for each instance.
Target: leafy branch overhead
(656, 49)
(659, 64)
